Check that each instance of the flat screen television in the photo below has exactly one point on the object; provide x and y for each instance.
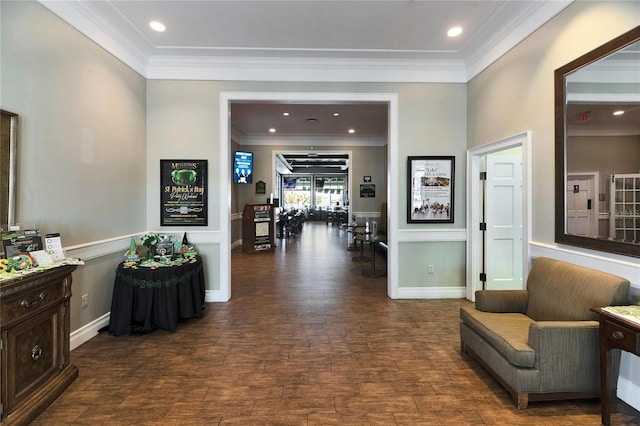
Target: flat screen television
(243, 167)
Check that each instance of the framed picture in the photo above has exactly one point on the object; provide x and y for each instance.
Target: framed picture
(261, 187)
(367, 190)
(430, 189)
(366, 179)
(183, 192)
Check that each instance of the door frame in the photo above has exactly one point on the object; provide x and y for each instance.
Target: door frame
(474, 237)
(226, 98)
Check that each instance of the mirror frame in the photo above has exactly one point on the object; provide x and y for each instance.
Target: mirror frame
(618, 247)
(13, 154)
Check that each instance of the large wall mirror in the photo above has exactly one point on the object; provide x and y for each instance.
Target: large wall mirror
(597, 148)
(8, 153)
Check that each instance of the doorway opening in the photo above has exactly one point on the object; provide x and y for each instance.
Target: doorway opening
(501, 203)
(227, 98)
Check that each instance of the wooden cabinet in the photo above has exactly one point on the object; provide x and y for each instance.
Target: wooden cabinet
(34, 318)
(258, 228)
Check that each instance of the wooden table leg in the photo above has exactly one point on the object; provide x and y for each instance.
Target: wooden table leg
(607, 392)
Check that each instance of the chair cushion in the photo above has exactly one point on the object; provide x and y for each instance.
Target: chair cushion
(508, 333)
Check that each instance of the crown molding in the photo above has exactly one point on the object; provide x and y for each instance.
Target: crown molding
(538, 14)
(85, 17)
(305, 69)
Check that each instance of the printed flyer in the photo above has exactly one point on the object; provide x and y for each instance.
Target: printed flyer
(183, 194)
(430, 197)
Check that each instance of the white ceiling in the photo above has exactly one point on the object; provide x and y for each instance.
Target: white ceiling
(351, 41)
(310, 124)
(385, 40)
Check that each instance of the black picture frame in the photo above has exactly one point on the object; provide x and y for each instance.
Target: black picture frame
(183, 193)
(430, 189)
(261, 187)
(367, 190)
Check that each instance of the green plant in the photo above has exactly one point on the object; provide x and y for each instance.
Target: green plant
(150, 239)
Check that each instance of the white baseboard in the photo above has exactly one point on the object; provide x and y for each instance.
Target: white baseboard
(432, 292)
(87, 332)
(214, 296)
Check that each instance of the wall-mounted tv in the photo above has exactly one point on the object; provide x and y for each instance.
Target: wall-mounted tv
(243, 167)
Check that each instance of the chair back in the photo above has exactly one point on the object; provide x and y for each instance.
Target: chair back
(561, 291)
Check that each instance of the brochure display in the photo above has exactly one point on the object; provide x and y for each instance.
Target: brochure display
(258, 228)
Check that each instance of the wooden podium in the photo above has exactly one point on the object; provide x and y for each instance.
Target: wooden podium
(258, 228)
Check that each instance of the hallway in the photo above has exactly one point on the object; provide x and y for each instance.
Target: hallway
(305, 340)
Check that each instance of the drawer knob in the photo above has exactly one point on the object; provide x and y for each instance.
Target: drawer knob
(36, 352)
(26, 304)
(618, 335)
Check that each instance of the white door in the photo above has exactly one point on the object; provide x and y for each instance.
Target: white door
(503, 236)
(580, 212)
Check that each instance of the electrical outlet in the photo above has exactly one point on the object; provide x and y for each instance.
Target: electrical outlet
(431, 269)
(85, 300)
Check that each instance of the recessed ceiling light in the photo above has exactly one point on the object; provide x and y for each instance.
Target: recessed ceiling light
(286, 114)
(352, 130)
(157, 26)
(336, 114)
(618, 112)
(272, 130)
(454, 31)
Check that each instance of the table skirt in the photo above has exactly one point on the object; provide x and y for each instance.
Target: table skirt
(145, 299)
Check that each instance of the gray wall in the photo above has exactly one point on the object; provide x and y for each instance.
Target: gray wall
(432, 121)
(82, 141)
(92, 132)
(515, 93)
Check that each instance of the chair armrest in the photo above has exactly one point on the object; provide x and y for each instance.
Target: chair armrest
(567, 354)
(514, 301)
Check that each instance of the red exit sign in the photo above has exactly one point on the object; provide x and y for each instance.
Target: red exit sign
(584, 117)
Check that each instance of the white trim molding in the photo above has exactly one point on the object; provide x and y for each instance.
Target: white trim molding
(88, 331)
(474, 240)
(431, 292)
(418, 235)
(96, 249)
(622, 266)
(225, 99)
(305, 69)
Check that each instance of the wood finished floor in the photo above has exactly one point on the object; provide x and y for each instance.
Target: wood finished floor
(305, 340)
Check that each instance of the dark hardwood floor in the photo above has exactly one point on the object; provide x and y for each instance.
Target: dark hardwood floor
(305, 340)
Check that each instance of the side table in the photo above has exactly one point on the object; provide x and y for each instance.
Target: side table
(616, 332)
(148, 298)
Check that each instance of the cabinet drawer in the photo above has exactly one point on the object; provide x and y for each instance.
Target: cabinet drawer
(14, 308)
(35, 355)
(624, 337)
